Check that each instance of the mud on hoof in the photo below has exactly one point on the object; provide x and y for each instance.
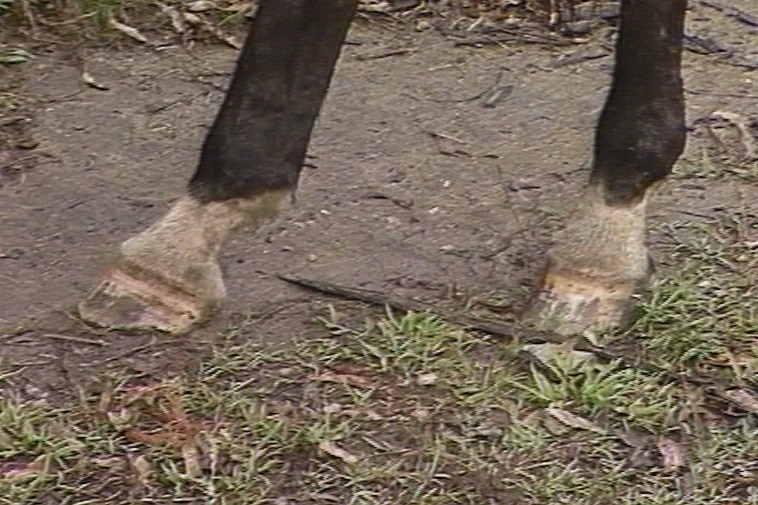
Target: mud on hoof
(570, 301)
(127, 300)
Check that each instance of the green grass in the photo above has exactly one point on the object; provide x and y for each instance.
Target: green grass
(408, 409)
(704, 310)
(8, 101)
(10, 55)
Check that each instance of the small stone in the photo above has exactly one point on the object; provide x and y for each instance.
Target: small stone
(423, 25)
(27, 143)
(420, 414)
(12, 254)
(427, 379)
(332, 408)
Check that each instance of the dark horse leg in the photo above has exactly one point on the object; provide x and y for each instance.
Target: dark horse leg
(168, 276)
(600, 261)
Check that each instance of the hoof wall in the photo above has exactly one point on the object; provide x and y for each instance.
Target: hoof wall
(571, 304)
(124, 301)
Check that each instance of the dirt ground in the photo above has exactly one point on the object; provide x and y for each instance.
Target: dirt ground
(419, 185)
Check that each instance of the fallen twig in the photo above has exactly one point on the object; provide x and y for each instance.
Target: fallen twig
(580, 57)
(523, 38)
(497, 95)
(704, 45)
(504, 331)
(385, 54)
(706, 92)
(723, 54)
(140, 348)
(18, 161)
(373, 195)
(78, 340)
(733, 12)
(501, 329)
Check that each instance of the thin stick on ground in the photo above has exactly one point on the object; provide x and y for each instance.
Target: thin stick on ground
(501, 330)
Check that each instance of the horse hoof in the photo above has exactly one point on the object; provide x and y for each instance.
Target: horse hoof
(570, 302)
(126, 301)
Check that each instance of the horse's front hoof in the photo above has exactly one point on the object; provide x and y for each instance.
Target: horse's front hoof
(134, 302)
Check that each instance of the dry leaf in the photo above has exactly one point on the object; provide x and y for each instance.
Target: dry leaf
(747, 478)
(549, 353)
(554, 426)
(633, 437)
(745, 399)
(333, 449)
(729, 359)
(106, 399)
(192, 18)
(427, 379)
(91, 82)
(191, 457)
(573, 420)
(420, 414)
(381, 6)
(673, 454)
(109, 462)
(13, 470)
(229, 39)
(143, 468)
(120, 419)
(332, 408)
(176, 17)
(127, 30)
(239, 7)
(200, 6)
(216, 32)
